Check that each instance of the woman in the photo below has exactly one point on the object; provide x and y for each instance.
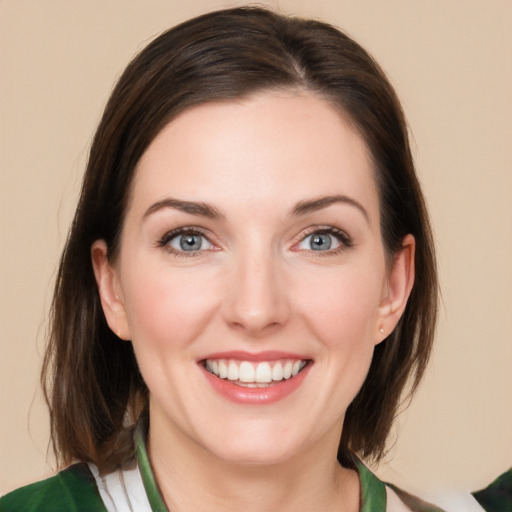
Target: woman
(248, 284)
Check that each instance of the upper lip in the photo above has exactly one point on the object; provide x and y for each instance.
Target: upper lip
(267, 355)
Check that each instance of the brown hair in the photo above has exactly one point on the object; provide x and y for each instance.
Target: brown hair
(91, 380)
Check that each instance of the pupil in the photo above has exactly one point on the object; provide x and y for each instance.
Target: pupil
(321, 242)
(190, 242)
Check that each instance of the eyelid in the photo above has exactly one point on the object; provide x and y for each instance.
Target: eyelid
(345, 240)
(342, 236)
(163, 242)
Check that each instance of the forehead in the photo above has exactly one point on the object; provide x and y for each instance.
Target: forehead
(274, 146)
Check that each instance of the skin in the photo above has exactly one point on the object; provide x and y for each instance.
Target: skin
(255, 285)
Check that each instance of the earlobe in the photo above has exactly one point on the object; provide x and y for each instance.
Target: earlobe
(109, 290)
(398, 287)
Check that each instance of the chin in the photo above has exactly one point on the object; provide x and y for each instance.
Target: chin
(256, 456)
(255, 448)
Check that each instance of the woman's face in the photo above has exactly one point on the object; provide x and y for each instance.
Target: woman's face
(251, 277)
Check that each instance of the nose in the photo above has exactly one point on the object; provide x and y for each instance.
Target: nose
(256, 301)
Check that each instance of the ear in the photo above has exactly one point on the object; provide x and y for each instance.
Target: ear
(109, 288)
(397, 289)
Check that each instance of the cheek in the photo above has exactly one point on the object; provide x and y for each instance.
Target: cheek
(168, 307)
(343, 307)
(346, 323)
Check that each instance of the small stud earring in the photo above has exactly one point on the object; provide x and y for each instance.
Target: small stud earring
(381, 330)
(118, 333)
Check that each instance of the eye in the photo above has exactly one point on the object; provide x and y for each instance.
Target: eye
(325, 240)
(319, 242)
(186, 241)
(190, 242)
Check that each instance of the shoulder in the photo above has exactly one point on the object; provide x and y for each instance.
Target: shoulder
(399, 500)
(446, 500)
(73, 489)
(378, 495)
(498, 495)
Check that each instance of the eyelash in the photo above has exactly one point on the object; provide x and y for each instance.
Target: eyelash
(345, 240)
(170, 235)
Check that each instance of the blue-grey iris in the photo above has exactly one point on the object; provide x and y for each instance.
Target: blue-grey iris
(191, 242)
(320, 242)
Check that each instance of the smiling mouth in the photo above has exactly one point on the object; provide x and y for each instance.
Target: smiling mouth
(255, 374)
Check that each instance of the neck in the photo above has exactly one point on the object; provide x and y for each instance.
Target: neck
(191, 478)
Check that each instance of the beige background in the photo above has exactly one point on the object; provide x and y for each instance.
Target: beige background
(451, 63)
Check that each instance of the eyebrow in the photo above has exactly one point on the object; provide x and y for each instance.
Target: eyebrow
(192, 207)
(313, 205)
(209, 211)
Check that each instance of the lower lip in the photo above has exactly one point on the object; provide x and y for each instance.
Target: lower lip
(256, 396)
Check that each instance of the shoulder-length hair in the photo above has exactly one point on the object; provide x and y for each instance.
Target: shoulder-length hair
(91, 380)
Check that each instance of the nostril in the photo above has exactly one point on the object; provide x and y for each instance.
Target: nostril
(254, 329)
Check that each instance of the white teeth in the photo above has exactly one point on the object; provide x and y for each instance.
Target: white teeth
(232, 371)
(277, 372)
(297, 367)
(263, 373)
(246, 373)
(254, 374)
(287, 370)
(223, 369)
